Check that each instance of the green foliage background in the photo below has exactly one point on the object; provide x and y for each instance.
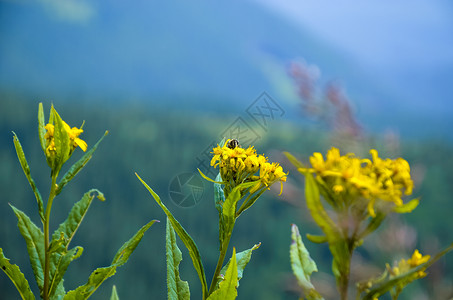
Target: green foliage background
(160, 143)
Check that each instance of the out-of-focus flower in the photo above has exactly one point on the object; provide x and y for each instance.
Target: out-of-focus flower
(352, 179)
(405, 265)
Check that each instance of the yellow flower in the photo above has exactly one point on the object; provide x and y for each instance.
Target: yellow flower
(238, 165)
(74, 133)
(366, 179)
(405, 266)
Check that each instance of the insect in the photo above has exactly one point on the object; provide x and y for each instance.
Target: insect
(233, 143)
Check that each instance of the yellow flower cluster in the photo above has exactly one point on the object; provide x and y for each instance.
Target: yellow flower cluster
(73, 134)
(349, 177)
(238, 165)
(406, 265)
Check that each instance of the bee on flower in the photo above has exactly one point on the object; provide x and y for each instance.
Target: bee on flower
(239, 165)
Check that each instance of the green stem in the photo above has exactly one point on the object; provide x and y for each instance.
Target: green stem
(46, 237)
(223, 250)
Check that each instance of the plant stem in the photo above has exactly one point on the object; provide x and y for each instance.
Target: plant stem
(53, 187)
(223, 250)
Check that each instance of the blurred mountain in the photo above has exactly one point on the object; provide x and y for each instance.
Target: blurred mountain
(205, 55)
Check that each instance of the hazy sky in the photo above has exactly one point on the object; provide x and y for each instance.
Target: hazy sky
(378, 32)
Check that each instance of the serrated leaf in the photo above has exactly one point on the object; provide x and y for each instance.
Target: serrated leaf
(34, 238)
(17, 277)
(41, 127)
(228, 287)
(114, 295)
(302, 264)
(75, 217)
(101, 274)
(59, 265)
(242, 259)
(407, 207)
(185, 237)
(78, 166)
(26, 168)
(177, 288)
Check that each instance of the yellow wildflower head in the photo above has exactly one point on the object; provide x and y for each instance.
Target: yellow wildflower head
(238, 165)
(405, 265)
(60, 140)
(358, 179)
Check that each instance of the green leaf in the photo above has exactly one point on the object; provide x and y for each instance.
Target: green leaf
(34, 238)
(186, 239)
(75, 217)
(337, 244)
(26, 168)
(207, 178)
(242, 259)
(78, 166)
(318, 239)
(59, 265)
(114, 295)
(177, 289)
(302, 264)
(373, 224)
(17, 277)
(294, 160)
(407, 207)
(219, 195)
(99, 275)
(228, 287)
(229, 207)
(41, 127)
(62, 143)
(405, 278)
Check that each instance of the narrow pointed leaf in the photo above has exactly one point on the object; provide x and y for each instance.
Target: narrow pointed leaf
(34, 238)
(101, 274)
(385, 286)
(17, 277)
(219, 195)
(294, 160)
(242, 259)
(61, 138)
(41, 127)
(185, 237)
(126, 250)
(407, 207)
(114, 295)
(72, 172)
(228, 287)
(373, 224)
(207, 178)
(75, 217)
(302, 264)
(177, 289)
(337, 244)
(229, 207)
(318, 239)
(26, 168)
